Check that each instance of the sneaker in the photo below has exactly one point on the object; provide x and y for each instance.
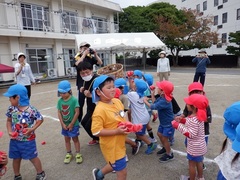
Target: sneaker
(204, 167)
(136, 148)
(153, 140)
(93, 142)
(162, 151)
(68, 158)
(150, 149)
(78, 158)
(166, 158)
(182, 177)
(19, 177)
(94, 173)
(155, 116)
(126, 157)
(41, 176)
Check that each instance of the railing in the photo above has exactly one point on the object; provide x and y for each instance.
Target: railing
(11, 17)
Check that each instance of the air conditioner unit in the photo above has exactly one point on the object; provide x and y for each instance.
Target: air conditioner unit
(71, 71)
(65, 30)
(52, 73)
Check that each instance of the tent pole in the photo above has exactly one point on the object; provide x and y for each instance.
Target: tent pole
(124, 63)
(144, 60)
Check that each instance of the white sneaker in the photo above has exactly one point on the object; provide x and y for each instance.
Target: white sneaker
(153, 140)
(184, 177)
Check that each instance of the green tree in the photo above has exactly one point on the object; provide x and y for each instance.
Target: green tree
(234, 38)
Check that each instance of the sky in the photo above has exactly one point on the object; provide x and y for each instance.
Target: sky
(126, 3)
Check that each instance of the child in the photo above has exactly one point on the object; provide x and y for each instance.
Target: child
(229, 160)
(165, 115)
(197, 88)
(68, 112)
(139, 112)
(22, 120)
(3, 160)
(193, 128)
(109, 112)
(85, 70)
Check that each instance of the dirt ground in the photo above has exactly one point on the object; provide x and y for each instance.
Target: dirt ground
(222, 89)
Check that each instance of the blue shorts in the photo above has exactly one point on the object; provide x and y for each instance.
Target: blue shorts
(119, 164)
(220, 176)
(195, 158)
(143, 130)
(22, 149)
(73, 133)
(166, 131)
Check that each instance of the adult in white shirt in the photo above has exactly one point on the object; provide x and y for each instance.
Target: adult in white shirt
(163, 66)
(23, 73)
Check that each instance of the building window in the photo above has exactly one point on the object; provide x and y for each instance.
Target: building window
(238, 14)
(100, 24)
(198, 8)
(216, 3)
(68, 58)
(35, 17)
(224, 1)
(183, 0)
(69, 22)
(40, 60)
(215, 21)
(224, 37)
(224, 18)
(204, 5)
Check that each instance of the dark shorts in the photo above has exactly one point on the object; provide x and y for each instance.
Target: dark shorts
(166, 131)
(142, 131)
(119, 164)
(73, 133)
(22, 149)
(195, 158)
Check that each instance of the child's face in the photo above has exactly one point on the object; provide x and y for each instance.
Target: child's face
(14, 101)
(85, 72)
(108, 91)
(190, 108)
(64, 95)
(160, 91)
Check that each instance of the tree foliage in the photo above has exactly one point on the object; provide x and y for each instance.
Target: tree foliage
(234, 38)
(178, 29)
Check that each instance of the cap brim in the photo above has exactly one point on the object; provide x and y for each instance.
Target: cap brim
(159, 85)
(7, 94)
(85, 45)
(187, 101)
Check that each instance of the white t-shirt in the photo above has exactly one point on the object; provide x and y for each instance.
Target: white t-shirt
(25, 77)
(224, 160)
(139, 111)
(163, 65)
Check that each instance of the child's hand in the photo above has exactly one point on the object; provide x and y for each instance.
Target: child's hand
(70, 127)
(175, 124)
(87, 93)
(3, 158)
(122, 130)
(13, 135)
(145, 99)
(64, 127)
(178, 118)
(81, 89)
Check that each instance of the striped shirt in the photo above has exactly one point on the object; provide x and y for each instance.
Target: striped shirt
(196, 145)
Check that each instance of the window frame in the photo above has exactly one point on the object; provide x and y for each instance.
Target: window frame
(204, 5)
(224, 19)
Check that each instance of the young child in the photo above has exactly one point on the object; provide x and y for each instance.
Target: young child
(22, 121)
(193, 128)
(68, 112)
(197, 88)
(229, 160)
(165, 115)
(109, 112)
(85, 70)
(140, 113)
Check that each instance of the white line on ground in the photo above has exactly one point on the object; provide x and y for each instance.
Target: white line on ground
(50, 117)
(44, 109)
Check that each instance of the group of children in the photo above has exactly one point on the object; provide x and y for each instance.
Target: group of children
(123, 106)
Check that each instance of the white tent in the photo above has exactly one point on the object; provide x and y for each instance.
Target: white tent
(122, 42)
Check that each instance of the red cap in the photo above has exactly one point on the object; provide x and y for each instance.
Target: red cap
(195, 86)
(167, 88)
(118, 93)
(201, 103)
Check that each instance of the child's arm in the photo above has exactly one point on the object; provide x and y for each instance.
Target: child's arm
(61, 120)
(36, 125)
(209, 115)
(111, 132)
(9, 126)
(75, 118)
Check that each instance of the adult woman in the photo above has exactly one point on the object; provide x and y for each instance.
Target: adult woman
(23, 73)
(163, 66)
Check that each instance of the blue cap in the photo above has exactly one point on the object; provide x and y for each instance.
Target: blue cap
(64, 86)
(149, 79)
(97, 82)
(19, 90)
(138, 73)
(141, 86)
(232, 120)
(122, 82)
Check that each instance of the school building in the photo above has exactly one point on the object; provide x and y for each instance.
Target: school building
(45, 31)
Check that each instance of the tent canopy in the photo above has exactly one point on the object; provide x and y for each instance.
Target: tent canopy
(6, 69)
(116, 42)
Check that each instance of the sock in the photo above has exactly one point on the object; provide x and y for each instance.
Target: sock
(100, 174)
(69, 152)
(150, 133)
